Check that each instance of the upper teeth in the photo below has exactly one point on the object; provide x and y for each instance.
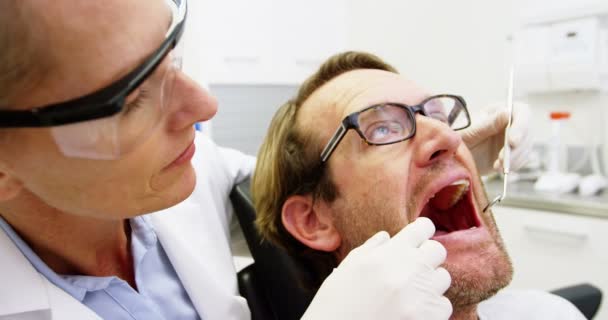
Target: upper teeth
(450, 195)
(463, 182)
(459, 182)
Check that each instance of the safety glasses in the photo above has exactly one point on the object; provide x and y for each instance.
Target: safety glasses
(112, 121)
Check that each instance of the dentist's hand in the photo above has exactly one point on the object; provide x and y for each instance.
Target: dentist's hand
(386, 278)
(485, 138)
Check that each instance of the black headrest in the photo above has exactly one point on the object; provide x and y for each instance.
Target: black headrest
(277, 274)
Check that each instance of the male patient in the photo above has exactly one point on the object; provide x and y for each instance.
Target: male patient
(362, 149)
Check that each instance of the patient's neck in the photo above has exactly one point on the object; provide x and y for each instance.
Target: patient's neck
(465, 313)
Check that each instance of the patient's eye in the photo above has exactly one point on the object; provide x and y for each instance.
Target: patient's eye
(384, 131)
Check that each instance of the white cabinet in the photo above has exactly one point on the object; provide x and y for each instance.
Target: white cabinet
(269, 41)
(234, 38)
(553, 250)
(305, 33)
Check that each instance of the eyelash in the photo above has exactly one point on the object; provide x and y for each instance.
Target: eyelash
(143, 94)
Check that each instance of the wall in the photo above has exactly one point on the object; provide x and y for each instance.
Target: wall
(245, 112)
(461, 47)
(446, 46)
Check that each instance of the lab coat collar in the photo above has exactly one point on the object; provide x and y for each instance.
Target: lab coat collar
(182, 231)
(24, 293)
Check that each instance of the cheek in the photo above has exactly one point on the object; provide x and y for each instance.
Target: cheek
(383, 168)
(79, 186)
(102, 189)
(372, 200)
(469, 161)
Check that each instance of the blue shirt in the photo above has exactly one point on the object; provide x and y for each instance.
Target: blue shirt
(161, 294)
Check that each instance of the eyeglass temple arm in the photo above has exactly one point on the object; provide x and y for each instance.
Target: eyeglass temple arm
(333, 142)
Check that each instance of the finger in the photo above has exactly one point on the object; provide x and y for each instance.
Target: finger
(499, 163)
(433, 253)
(373, 242)
(444, 308)
(415, 233)
(520, 158)
(518, 136)
(520, 155)
(470, 136)
(485, 129)
(438, 308)
(441, 281)
(377, 239)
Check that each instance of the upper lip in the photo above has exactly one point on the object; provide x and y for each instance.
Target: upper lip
(443, 180)
(181, 151)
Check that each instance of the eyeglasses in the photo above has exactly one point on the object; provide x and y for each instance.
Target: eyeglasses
(390, 123)
(111, 122)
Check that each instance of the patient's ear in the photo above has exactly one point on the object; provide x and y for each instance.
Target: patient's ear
(10, 186)
(310, 223)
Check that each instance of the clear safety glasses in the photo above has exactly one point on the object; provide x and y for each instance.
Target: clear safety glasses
(111, 122)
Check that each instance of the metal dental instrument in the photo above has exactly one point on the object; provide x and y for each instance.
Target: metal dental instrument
(507, 148)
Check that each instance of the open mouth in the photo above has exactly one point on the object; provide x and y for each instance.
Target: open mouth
(451, 209)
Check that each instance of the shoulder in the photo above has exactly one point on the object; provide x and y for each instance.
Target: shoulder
(215, 159)
(527, 304)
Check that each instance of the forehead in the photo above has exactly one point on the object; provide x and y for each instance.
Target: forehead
(91, 44)
(353, 91)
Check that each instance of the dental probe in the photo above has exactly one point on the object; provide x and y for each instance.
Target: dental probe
(507, 148)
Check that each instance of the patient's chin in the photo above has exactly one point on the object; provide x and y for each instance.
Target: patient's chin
(477, 277)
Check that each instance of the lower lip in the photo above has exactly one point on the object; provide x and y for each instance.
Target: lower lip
(462, 236)
(183, 158)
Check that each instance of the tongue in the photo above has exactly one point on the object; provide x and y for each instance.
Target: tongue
(448, 196)
(440, 233)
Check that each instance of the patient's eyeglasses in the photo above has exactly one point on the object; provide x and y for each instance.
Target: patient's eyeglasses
(390, 123)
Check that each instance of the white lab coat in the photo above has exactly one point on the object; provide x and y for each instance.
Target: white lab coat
(194, 234)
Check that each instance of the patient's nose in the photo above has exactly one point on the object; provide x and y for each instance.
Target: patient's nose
(434, 141)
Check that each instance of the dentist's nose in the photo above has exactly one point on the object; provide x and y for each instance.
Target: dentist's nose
(190, 103)
(434, 141)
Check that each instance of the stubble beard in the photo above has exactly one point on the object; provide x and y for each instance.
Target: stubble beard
(358, 220)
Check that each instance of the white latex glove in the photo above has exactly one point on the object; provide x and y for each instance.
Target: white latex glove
(386, 278)
(486, 136)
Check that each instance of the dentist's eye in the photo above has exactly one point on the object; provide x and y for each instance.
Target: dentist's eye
(135, 100)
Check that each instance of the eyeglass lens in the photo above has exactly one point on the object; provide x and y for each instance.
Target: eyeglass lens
(388, 123)
(108, 138)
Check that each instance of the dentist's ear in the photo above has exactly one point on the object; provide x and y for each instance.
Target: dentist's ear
(9, 185)
(310, 223)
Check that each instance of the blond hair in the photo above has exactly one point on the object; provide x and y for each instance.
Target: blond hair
(289, 164)
(22, 36)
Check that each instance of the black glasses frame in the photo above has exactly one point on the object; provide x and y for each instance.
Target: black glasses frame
(351, 122)
(102, 103)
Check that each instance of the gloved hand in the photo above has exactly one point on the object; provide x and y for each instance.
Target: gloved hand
(386, 278)
(485, 138)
